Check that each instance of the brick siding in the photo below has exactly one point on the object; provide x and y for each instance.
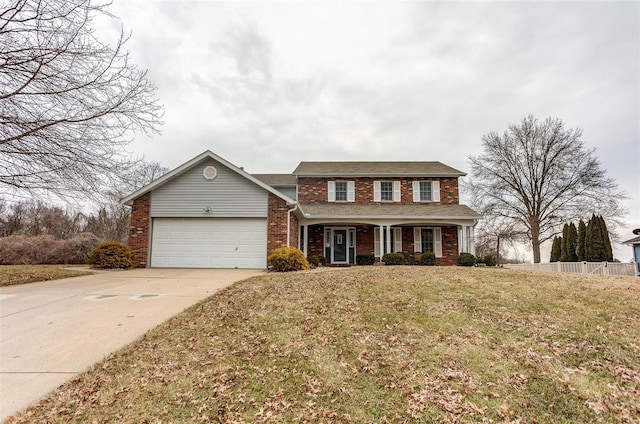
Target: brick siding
(313, 190)
(139, 230)
(276, 224)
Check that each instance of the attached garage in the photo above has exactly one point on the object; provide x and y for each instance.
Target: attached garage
(209, 243)
(207, 213)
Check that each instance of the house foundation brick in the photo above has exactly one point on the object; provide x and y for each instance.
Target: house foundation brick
(139, 230)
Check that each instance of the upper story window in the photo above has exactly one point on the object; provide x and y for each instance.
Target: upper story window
(341, 191)
(426, 191)
(386, 191)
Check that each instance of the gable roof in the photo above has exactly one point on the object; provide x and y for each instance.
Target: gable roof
(277, 179)
(193, 162)
(375, 169)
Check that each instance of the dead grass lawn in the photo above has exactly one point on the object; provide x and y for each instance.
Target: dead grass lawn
(22, 274)
(378, 345)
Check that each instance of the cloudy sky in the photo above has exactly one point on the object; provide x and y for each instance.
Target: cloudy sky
(268, 84)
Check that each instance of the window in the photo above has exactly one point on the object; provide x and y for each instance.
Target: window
(386, 191)
(428, 238)
(425, 191)
(341, 191)
(426, 235)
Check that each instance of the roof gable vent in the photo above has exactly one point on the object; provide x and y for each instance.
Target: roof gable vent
(209, 173)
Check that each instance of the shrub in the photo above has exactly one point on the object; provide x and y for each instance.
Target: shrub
(317, 260)
(46, 249)
(287, 259)
(365, 259)
(466, 259)
(111, 255)
(393, 258)
(428, 258)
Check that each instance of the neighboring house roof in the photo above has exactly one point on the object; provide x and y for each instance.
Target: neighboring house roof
(635, 240)
(193, 162)
(277, 179)
(375, 169)
(350, 210)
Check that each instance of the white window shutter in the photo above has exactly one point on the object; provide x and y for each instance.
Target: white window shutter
(376, 191)
(416, 191)
(435, 191)
(331, 191)
(376, 242)
(417, 240)
(397, 240)
(437, 241)
(351, 191)
(396, 191)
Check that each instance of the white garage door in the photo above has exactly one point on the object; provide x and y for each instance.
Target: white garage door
(209, 243)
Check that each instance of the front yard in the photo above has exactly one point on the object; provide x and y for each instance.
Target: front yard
(22, 274)
(378, 344)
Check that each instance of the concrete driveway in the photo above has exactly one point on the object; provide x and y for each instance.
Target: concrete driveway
(51, 331)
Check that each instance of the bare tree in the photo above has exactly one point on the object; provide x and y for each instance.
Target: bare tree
(494, 233)
(539, 175)
(67, 100)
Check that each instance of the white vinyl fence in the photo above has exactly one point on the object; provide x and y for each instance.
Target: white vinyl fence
(599, 268)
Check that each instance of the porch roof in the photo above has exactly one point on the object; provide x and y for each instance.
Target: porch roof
(419, 211)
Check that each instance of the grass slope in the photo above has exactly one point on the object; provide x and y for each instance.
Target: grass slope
(378, 344)
(22, 274)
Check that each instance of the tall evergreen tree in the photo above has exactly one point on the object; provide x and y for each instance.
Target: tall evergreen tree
(572, 243)
(606, 240)
(596, 240)
(556, 249)
(588, 244)
(582, 235)
(564, 252)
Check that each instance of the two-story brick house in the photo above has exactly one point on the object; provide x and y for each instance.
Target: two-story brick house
(210, 213)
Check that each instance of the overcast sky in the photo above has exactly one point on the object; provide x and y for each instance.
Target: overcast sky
(266, 85)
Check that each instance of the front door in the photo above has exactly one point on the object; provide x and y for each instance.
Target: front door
(339, 246)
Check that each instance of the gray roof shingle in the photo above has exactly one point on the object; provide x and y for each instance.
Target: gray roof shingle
(374, 169)
(277, 179)
(344, 210)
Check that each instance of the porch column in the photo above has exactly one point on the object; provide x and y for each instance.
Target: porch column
(389, 239)
(305, 242)
(381, 240)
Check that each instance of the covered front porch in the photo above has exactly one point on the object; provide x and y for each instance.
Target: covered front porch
(341, 242)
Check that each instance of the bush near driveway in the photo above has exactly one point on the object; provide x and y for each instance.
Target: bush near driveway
(46, 249)
(378, 344)
(111, 255)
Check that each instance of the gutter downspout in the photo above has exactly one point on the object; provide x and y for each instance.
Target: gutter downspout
(289, 224)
